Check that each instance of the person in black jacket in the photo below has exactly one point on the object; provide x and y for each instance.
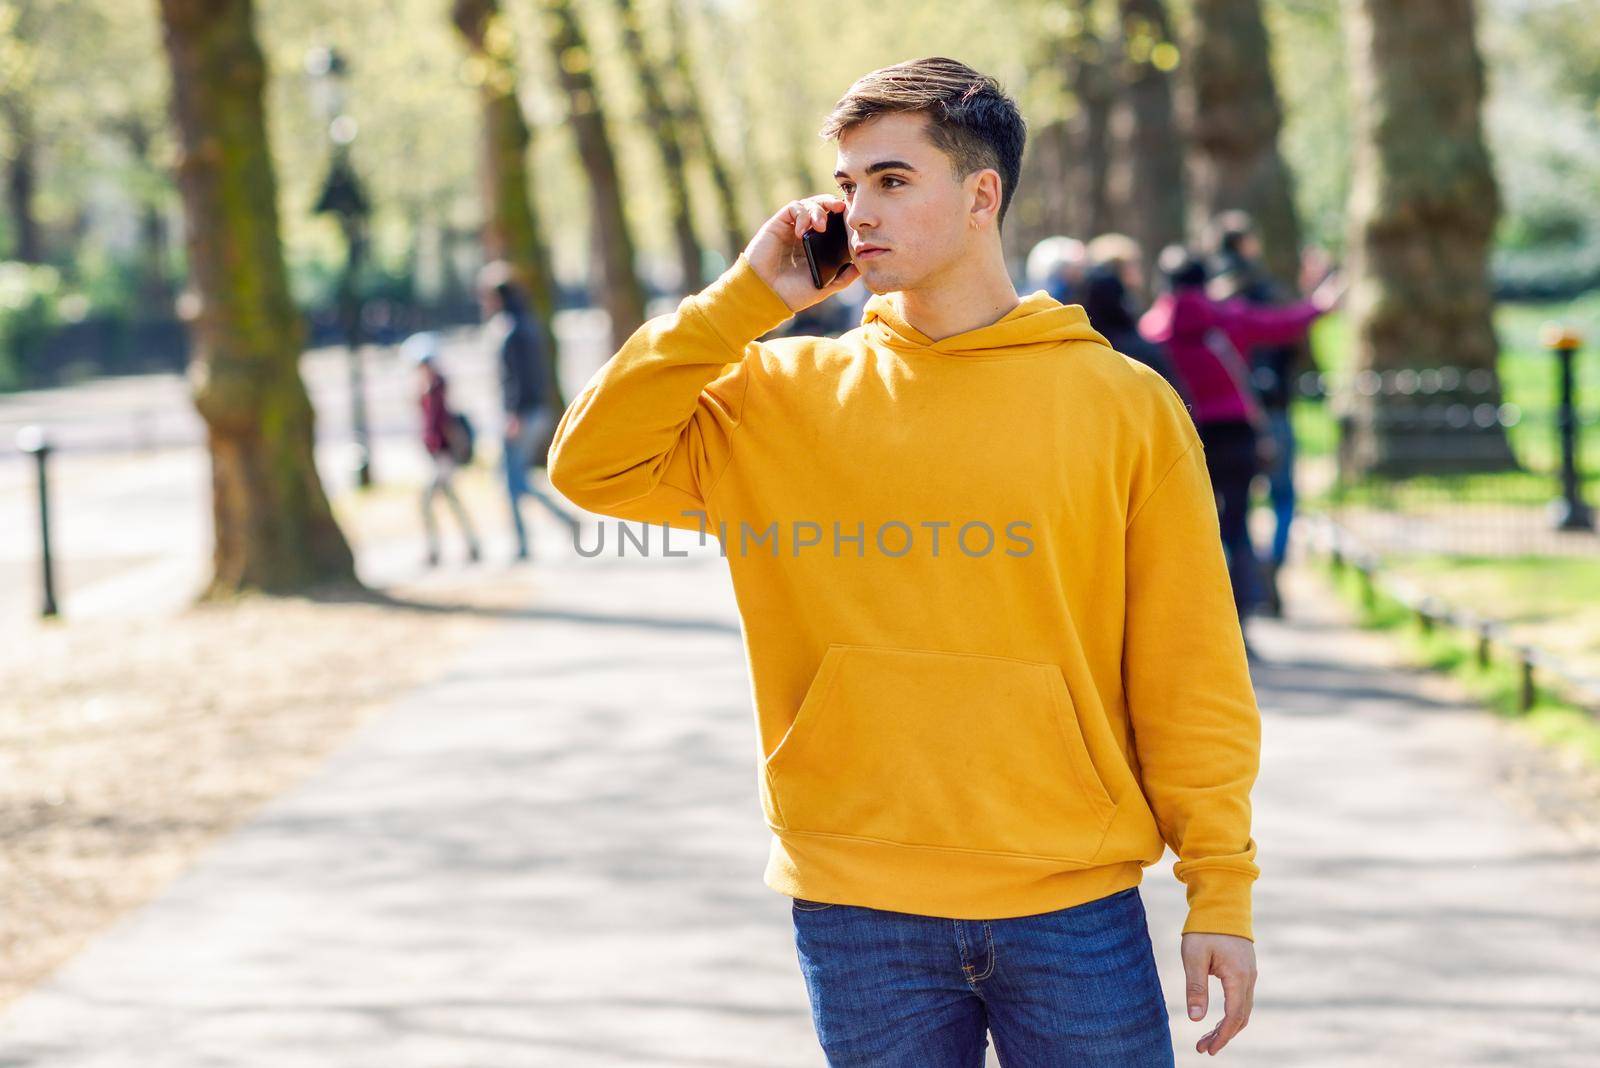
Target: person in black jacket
(1107, 290)
(526, 393)
(1106, 302)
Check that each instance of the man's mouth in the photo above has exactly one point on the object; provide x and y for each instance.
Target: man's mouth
(867, 252)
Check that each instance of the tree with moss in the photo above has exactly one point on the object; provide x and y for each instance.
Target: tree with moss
(1146, 178)
(622, 294)
(1423, 209)
(512, 229)
(18, 64)
(274, 529)
(662, 122)
(1090, 81)
(1234, 122)
(696, 124)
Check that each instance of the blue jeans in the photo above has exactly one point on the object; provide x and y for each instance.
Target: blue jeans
(515, 457)
(1077, 987)
(1280, 482)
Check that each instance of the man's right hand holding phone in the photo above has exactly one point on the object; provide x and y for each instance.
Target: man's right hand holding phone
(777, 255)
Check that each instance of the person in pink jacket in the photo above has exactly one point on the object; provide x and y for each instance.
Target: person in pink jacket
(422, 350)
(1205, 340)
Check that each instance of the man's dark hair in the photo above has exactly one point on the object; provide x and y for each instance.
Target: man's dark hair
(970, 118)
(1181, 269)
(500, 277)
(1231, 228)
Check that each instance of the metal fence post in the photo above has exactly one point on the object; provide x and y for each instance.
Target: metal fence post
(32, 440)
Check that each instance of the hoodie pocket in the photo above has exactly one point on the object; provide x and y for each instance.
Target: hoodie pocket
(944, 750)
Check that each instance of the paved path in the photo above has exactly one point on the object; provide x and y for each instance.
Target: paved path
(130, 480)
(553, 857)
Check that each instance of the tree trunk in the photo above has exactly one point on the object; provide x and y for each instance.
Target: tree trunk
(22, 166)
(1233, 131)
(1042, 207)
(512, 230)
(27, 243)
(663, 124)
(273, 526)
(734, 234)
(454, 287)
(1423, 207)
(733, 86)
(155, 285)
(155, 282)
(1146, 180)
(624, 297)
(1093, 90)
(800, 168)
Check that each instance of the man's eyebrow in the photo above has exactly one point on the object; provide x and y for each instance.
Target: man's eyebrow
(881, 165)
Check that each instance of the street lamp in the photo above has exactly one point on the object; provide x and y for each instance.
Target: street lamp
(342, 195)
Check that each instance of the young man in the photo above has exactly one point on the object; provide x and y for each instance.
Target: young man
(524, 392)
(993, 651)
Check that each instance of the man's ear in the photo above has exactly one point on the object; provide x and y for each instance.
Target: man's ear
(985, 197)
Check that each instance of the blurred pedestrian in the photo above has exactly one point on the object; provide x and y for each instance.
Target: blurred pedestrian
(447, 438)
(526, 394)
(1206, 340)
(1113, 278)
(1122, 254)
(1056, 265)
(1274, 369)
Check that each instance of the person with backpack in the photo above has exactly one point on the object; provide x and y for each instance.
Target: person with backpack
(1207, 340)
(1240, 274)
(448, 438)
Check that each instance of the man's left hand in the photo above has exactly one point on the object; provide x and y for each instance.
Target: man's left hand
(1231, 959)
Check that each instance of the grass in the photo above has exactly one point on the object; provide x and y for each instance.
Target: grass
(1553, 719)
(1551, 603)
(1511, 587)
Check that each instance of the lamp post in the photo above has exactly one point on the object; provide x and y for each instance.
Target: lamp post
(343, 196)
(1570, 512)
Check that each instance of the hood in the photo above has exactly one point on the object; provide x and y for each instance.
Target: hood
(1039, 323)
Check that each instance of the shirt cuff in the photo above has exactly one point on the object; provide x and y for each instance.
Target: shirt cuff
(1219, 903)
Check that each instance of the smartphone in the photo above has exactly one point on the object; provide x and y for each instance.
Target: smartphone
(827, 251)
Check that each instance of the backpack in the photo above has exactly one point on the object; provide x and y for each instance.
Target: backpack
(459, 437)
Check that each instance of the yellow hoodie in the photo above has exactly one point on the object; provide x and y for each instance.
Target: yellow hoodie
(993, 651)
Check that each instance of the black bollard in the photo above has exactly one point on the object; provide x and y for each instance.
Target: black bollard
(32, 440)
(1570, 512)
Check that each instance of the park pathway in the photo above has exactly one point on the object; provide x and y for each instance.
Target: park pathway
(553, 856)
